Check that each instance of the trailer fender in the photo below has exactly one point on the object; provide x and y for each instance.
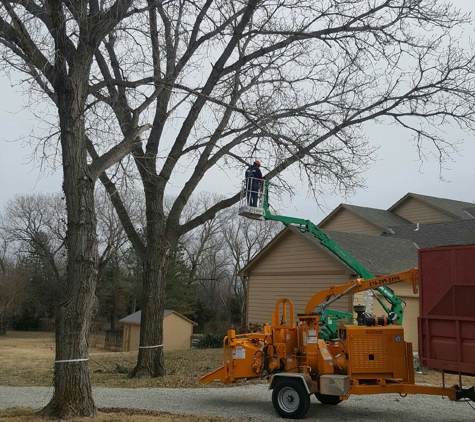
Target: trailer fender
(305, 378)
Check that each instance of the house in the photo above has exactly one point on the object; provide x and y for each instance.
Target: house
(410, 209)
(294, 264)
(177, 331)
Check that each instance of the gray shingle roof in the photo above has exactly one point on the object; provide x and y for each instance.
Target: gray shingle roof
(450, 206)
(430, 235)
(382, 218)
(381, 255)
(135, 318)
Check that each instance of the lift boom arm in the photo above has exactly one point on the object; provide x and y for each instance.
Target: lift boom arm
(319, 301)
(395, 313)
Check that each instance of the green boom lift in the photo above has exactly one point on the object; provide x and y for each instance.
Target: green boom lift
(395, 311)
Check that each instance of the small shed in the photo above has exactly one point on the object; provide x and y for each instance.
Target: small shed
(177, 331)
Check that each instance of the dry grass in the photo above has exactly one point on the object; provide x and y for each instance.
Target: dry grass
(27, 360)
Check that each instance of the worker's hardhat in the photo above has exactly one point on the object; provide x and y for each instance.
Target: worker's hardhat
(257, 162)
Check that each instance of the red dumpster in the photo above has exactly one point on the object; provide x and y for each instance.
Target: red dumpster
(447, 308)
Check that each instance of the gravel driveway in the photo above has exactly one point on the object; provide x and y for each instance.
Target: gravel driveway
(253, 402)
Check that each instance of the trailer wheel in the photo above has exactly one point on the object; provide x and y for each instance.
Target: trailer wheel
(290, 399)
(327, 399)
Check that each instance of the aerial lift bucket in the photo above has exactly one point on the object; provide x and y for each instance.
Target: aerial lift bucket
(245, 208)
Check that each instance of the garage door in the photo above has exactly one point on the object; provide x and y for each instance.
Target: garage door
(411, 312)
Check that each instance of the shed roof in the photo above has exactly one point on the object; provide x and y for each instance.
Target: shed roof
(459, 209)
(430, 235)
(136, 317)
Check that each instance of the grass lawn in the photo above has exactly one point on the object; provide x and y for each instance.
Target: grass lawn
(27, 359)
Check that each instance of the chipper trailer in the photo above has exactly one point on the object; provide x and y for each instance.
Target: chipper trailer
(368, 358)
(320, 354)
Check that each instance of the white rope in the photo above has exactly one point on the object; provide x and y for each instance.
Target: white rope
(150, 347)
(71, 360)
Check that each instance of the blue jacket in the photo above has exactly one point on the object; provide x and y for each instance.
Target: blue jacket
(255, 172)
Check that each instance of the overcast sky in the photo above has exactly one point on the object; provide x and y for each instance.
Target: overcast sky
(397, 171)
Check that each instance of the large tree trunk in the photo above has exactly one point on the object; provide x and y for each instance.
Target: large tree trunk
(72, 385)
(150, 361)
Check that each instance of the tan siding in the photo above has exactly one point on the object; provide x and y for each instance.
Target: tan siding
(176, 332)
(418, 212)
(403, 289)
(126, 338)
(294, 269)
(410, 320)
(264, 291)
(131, 338)
(348, 222)
(294, 254)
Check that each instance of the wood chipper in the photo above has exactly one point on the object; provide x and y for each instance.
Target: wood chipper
(300, 359)
(320, 354)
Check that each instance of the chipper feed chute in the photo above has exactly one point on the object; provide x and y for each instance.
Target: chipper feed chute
(240, 358)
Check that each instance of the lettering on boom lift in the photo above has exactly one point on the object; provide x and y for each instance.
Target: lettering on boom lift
(383, 281)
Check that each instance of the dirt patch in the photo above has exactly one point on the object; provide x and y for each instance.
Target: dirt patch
(109, 415)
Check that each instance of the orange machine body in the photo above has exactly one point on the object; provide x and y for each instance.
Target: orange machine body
(362, 360)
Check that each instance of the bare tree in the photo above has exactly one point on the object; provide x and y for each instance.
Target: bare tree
(205, 240)
(292, 82)
(12, 289)
(53, 42)
(36, 225)
(218, 249)
(11, 285)
(113, 245)
(111, 235)
(244, 238)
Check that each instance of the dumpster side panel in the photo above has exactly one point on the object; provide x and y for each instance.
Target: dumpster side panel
(447, 308)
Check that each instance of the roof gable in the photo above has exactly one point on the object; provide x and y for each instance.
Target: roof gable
(459, 209)
(263, 252)
(136, 317)
(382, 219)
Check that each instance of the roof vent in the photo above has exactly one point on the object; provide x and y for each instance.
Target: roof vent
(417, 227)
(469, 215)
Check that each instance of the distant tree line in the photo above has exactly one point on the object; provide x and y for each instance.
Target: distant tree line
(202, 280)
